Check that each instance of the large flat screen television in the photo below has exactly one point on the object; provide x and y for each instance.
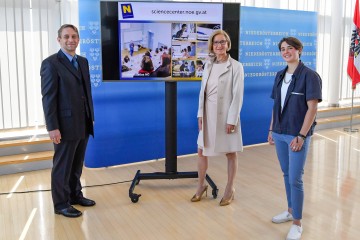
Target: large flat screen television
(162, 41)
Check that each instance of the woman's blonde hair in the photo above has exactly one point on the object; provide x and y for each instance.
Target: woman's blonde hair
(211, 40)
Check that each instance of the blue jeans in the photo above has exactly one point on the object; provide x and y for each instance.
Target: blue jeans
(292, 165)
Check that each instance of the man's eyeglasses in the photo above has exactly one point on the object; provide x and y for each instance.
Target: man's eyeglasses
(222, 43)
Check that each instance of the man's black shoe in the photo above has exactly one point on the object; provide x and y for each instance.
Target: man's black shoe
(69, 212)
(85, 202)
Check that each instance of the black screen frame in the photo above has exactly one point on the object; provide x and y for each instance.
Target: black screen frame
(110, 41)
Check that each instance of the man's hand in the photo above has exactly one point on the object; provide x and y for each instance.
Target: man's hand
(55, 136)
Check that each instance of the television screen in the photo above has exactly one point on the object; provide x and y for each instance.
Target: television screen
(162, 41)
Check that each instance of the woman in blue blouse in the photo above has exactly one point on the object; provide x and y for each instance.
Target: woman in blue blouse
(296, 93)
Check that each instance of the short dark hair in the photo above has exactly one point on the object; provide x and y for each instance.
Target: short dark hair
(292, 41)
(67, 26)
(184, 25)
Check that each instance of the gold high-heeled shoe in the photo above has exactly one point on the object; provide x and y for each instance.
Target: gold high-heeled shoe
(225, 202)
(196, 198)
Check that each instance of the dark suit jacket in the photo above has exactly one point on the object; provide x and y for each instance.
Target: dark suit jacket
(62, 91)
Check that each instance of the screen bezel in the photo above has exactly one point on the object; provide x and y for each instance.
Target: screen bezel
(110, 38)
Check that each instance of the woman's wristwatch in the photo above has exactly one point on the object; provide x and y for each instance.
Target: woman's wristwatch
(301, 136)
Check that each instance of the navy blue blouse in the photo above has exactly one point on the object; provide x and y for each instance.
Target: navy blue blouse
(305, 85)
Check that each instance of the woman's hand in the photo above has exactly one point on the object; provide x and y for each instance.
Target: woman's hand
(296, 144)
(270, 138)
(230, 128)
(200, 123)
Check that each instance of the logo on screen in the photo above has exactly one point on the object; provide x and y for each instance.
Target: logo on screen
(126, 10)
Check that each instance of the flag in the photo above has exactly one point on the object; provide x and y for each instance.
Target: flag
(353, 68)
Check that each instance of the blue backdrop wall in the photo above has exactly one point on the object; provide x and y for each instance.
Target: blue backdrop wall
(129, 116)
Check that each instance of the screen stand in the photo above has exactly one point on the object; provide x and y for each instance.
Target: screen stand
(170, 148)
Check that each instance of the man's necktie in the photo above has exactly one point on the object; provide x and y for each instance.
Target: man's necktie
(75, 63)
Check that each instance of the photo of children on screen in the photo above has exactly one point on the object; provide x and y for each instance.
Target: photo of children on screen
(183, 31)
(183, 68)
(184, 50)
(145, 50)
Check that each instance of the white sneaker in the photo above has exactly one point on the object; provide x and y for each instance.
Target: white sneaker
(282, 217)
(294, 232)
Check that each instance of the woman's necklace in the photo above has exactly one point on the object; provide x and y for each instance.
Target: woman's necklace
(289, 73)
(289, 80)
(221, 60)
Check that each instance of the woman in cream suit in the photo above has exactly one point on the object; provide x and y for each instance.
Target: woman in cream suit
(218, 115)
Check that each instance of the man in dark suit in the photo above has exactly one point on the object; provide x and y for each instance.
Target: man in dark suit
(69, 116)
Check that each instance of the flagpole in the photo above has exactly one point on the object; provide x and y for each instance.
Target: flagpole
(353, 68)
(350, 129)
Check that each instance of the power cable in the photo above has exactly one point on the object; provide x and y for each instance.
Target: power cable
(47, 190)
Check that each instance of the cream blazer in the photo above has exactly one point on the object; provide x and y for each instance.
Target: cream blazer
(229, 103)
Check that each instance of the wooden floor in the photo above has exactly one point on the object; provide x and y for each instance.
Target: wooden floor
(164, 211)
